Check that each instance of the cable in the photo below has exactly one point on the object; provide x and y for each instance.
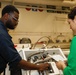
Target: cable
(32, 54)
(40, 39)
(41, 61)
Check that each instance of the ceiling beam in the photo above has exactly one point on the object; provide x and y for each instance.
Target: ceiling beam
(45, 2)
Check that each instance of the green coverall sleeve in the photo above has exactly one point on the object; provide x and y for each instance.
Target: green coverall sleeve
(71, 68)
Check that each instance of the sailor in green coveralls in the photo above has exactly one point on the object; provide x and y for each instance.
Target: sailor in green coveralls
(70, 67)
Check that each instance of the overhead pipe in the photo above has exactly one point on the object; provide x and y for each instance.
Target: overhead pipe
(13, 2)
(44, 2)
(48, 2)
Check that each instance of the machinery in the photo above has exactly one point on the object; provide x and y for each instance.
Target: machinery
(38, 56)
